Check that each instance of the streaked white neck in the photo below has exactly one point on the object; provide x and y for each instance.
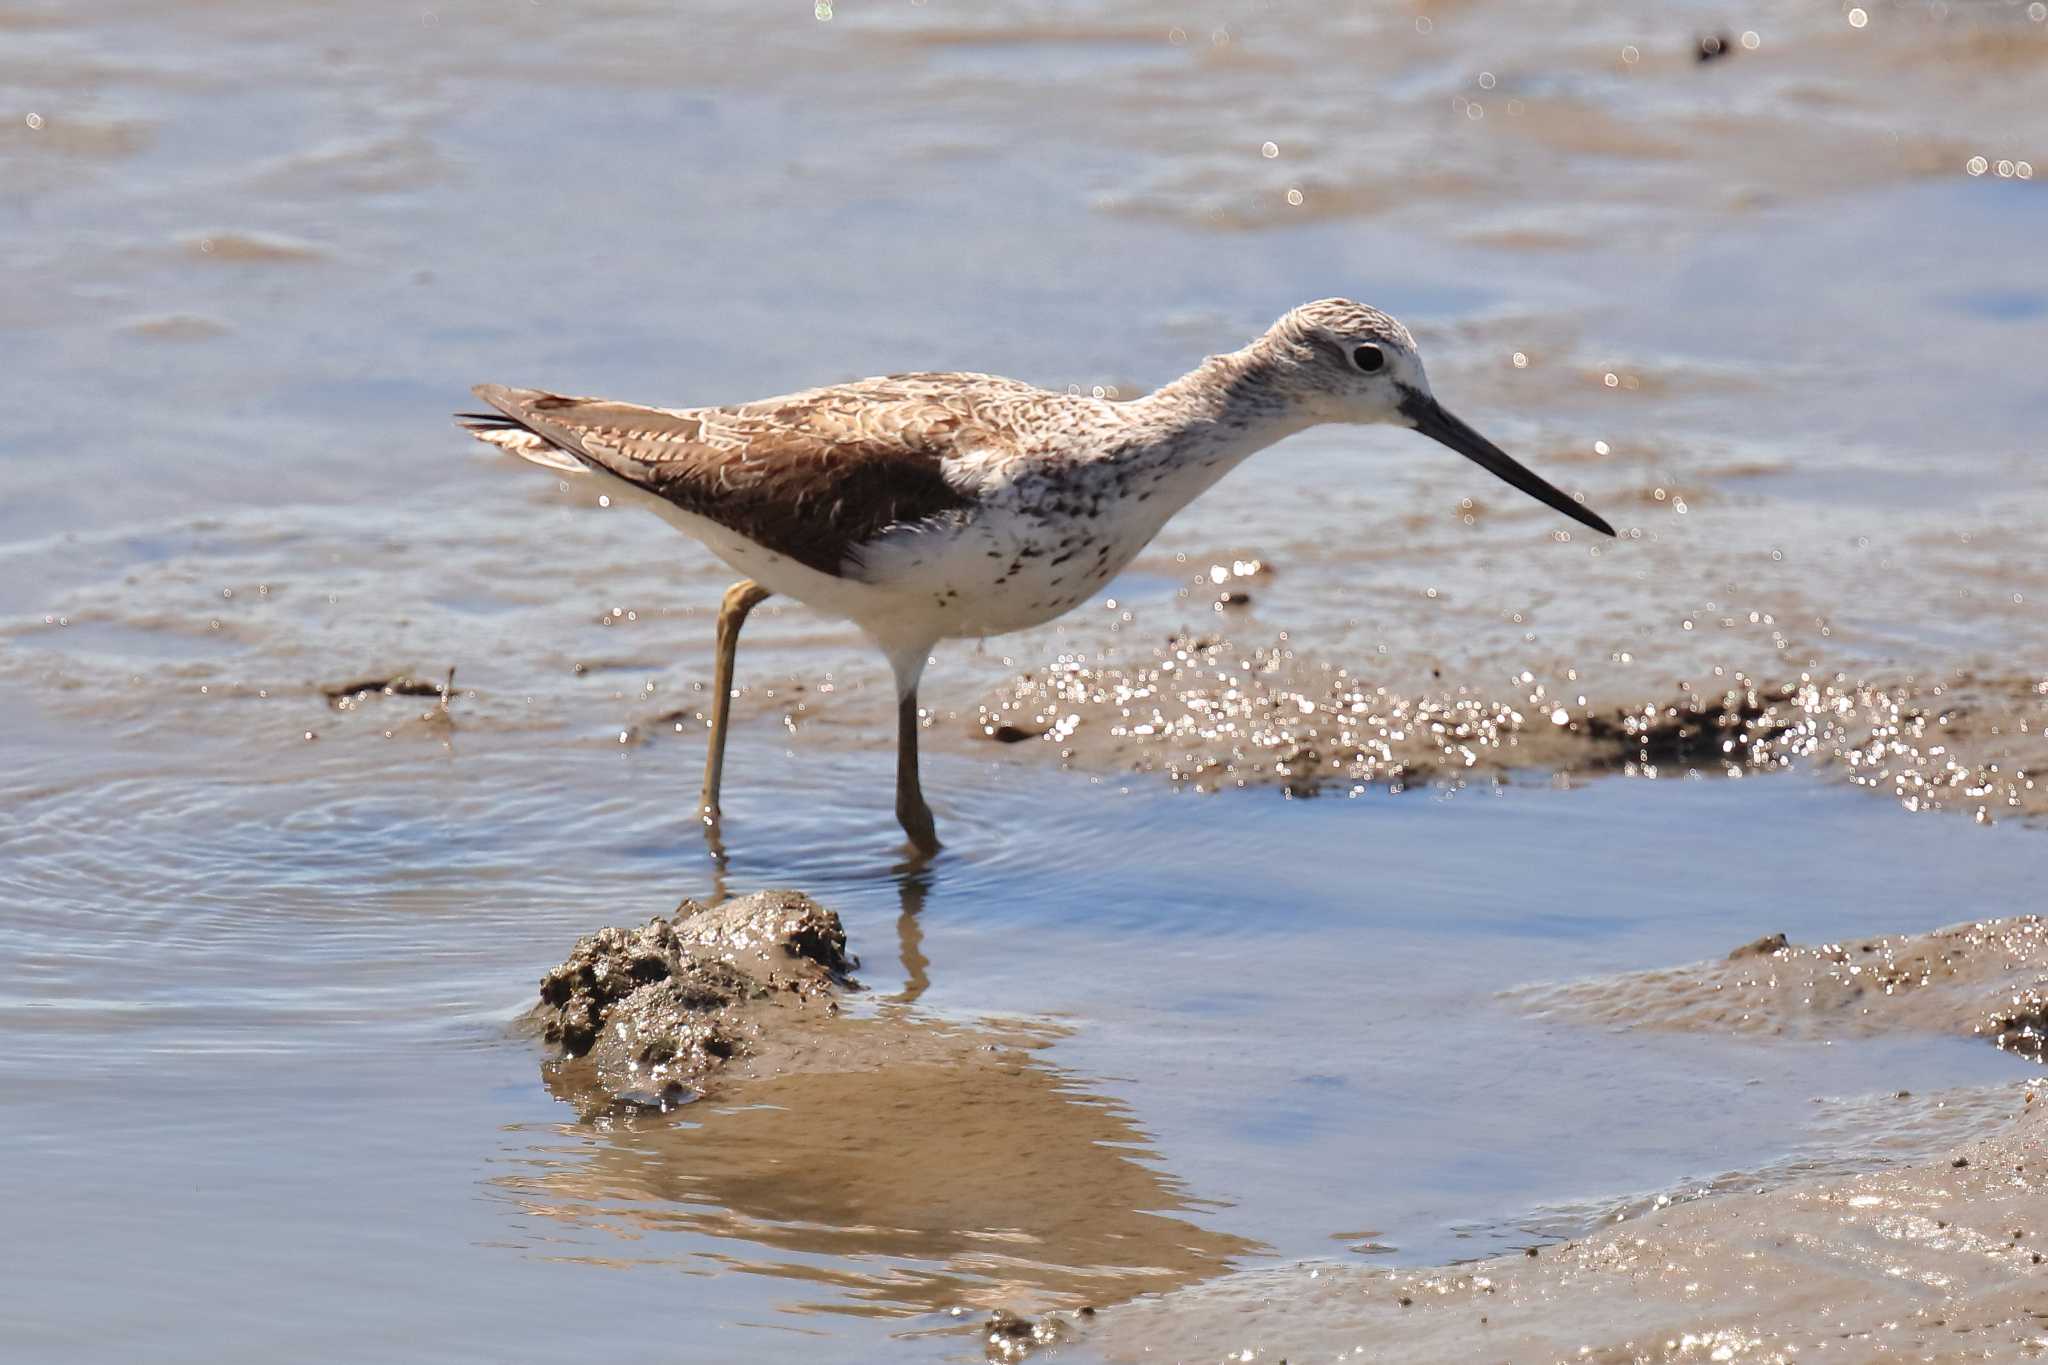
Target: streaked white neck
(1201, 426)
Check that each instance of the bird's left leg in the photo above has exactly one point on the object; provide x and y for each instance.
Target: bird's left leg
(741, 598)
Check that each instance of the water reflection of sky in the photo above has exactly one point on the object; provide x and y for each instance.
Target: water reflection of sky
(260, 981)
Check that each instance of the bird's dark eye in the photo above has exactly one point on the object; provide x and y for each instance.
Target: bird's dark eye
(1368, 358)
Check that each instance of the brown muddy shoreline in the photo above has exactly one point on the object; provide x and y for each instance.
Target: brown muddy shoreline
(1209, 713)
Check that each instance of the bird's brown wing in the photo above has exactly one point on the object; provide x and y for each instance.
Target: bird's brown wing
(813, 476)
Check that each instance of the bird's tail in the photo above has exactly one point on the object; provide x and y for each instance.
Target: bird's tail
(514, 437)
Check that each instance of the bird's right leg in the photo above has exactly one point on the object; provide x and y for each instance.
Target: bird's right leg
(741, 598)
(911, 811)
(907, 661)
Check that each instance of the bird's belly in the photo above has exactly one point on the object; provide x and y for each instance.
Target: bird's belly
(995, 577)
(945, 582)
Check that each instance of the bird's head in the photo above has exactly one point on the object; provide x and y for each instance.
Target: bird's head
(1341, 361)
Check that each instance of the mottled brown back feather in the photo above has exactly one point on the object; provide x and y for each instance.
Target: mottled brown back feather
(812, 476)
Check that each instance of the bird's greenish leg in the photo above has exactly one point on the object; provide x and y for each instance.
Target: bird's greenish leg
(741, 598)
(911, 811)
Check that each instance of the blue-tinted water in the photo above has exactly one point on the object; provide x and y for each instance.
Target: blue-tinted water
(259, 958)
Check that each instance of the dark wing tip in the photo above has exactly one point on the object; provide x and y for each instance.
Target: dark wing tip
(488, 421)
(501, 398)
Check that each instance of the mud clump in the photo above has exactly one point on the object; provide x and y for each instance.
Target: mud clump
(1011, 1336)
(1210, 714)
(348, 696)
(1763, 947)
(2022, 1027)
(1734, 726)
(583, 668)
(1987, 979)
(654, 1014)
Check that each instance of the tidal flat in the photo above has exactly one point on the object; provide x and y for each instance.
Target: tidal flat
(1292, 957)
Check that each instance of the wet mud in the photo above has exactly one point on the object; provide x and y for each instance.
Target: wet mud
(1012, 1336)
(1706, 276)
(1912, 1223)
(1985, 979)
(352, 693)
(1210, 714)
(1940, 1260)
(653, 1015)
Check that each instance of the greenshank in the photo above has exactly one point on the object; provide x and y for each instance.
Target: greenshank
(929, 507)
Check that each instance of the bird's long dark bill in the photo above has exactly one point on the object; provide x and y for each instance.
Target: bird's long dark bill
(1432, 421)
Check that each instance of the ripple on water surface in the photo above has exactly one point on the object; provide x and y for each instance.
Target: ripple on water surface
(1238, 1022)
(258, 985)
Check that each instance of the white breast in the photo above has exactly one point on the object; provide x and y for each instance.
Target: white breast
(1005, 570)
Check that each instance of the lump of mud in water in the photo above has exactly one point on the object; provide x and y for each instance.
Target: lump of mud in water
(2022, 1026)
(1012, 1336)
(1211, 714)
(584, 667)
(1695, 730)
(1987, 979)
(346, 696)
(674, 722)
(660, 1009)
(1763, 947)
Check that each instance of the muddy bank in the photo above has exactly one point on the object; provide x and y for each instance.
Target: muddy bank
(1910, 1223)
(1944, 1257)
(1986, 979)
(1211, 714)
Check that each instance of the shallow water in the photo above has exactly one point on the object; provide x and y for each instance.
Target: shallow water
(1267, 1029)
(260, 955)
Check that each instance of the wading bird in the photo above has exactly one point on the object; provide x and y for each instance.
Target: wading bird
(929, 507)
